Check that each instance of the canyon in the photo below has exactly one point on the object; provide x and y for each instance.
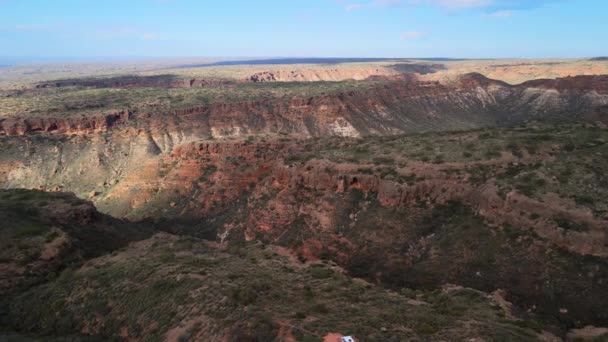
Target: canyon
(405, 184)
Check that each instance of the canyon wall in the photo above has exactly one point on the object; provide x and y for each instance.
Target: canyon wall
(394, 107)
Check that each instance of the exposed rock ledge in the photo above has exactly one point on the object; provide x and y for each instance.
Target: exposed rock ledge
(68, 124)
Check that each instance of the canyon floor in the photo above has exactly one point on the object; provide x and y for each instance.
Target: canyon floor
(300, 200)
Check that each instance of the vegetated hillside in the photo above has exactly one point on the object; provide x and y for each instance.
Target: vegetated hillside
(147, 94)
(181, 288)
(132, 81)
(42, 233)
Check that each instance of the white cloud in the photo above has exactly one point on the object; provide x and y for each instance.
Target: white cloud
(503, 14)
(502, 8)
(152, 36)
(462, 3)
(442, 3)
(387, 3)
(30, 28)
(412, 35)
(353, 7)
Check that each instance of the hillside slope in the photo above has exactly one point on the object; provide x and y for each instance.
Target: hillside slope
(174, 288)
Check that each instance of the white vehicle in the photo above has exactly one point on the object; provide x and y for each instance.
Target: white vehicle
(347, 339)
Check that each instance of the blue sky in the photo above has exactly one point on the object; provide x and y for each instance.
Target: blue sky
(299, 28)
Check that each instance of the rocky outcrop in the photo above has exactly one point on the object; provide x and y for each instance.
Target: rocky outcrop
(343, 74)
(597, 84)
(474, 80)
(63, 125)
(315, 75)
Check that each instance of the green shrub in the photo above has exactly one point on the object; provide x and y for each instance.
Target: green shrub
(243, 295)
(318, 272)
(28, 229)
(366, 171)
(320, 308)
(570, 225)
(383, 160)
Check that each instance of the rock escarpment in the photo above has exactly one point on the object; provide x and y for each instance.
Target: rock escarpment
(63, 125)
(393, 107)
(316, 75)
